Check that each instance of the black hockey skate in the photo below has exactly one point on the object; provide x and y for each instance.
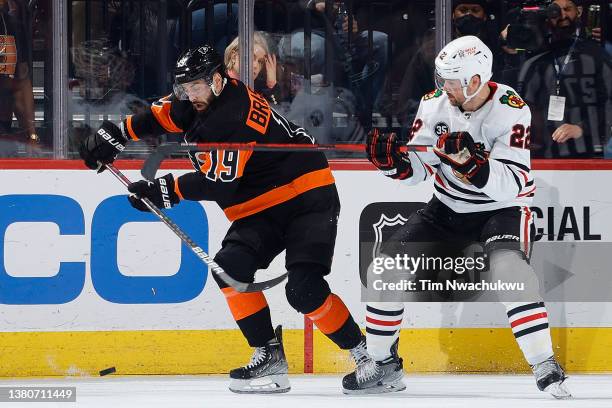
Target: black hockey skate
(374, 377)
(550, 377)
(266, 373)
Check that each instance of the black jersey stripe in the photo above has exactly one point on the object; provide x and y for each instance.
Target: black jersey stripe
(467, 200)
(384, 312)
(462, 190)
(424, 168)
(524, 308)
(513, 163)
(529, 183)
(516, 178)
(380, 332)
(531, 330)
(452, 186)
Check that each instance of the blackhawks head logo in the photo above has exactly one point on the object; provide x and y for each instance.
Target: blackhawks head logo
(432, 94)
(513, 100)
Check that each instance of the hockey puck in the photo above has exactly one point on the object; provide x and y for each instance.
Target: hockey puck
(107, 371)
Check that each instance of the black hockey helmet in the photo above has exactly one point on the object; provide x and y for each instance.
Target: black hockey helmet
(198, 63)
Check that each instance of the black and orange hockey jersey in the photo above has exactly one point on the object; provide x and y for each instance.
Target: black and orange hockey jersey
(241, 182)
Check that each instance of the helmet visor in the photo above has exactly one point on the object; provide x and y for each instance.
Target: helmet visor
(447, 84)
(194, 91)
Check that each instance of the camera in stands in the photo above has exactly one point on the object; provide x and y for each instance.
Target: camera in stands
(528, 29)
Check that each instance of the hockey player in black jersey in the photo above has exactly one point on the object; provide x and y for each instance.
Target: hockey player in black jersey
(276, 201)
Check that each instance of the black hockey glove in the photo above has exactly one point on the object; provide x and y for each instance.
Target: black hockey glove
(467, 158)
(102, 146)
(160, 192)
(383, 151)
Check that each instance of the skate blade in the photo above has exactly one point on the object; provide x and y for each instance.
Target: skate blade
(394, 386)
(270, 384)
(558, 390)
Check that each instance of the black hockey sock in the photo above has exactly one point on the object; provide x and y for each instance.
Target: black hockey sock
(257, 328)
(348, 335)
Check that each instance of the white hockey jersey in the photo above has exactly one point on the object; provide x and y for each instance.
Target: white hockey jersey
(502, 124)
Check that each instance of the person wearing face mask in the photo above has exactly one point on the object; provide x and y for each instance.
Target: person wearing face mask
(568, 88)
(469, 17)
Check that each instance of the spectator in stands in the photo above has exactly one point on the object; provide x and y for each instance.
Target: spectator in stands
(317, 94)
(469, 18)
(568, 88)
(265, 69)
(148, 33)
(600, 36)
(596, 35)
(357, 67)
(365, 67)
(225, 23)
(16, 94)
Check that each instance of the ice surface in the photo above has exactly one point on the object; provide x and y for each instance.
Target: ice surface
(440, 391)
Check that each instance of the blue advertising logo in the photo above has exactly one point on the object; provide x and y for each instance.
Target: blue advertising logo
(68, 283)
(112, 213)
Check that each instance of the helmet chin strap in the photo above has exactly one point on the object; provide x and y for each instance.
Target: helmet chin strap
(214, 91)
(469, 98)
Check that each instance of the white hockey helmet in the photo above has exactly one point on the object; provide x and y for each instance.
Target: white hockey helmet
(460, 60)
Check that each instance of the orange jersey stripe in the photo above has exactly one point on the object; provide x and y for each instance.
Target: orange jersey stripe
(177, 190)
(161, 111)
(243, 158)
(331, 315)
(300, 185)
(130, 129)
(244, 304)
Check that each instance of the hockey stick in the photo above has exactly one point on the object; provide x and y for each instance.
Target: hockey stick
(294, 147)
(155, 159)
(214, 267)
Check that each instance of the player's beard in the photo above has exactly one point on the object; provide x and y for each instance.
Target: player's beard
(201, 105)
(453, 100)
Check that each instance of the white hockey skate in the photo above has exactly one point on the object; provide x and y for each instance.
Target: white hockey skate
(550, 377)
(374, 377)
(266, 373)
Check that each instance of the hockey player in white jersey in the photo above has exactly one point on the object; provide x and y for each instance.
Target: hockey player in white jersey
(483, 189)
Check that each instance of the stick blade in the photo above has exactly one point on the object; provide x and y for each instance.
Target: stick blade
(248, 287)
(155, 159)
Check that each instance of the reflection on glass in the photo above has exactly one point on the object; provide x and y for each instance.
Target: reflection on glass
(340, 71)
(122, 54)
(18, 134)
(341, 67)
